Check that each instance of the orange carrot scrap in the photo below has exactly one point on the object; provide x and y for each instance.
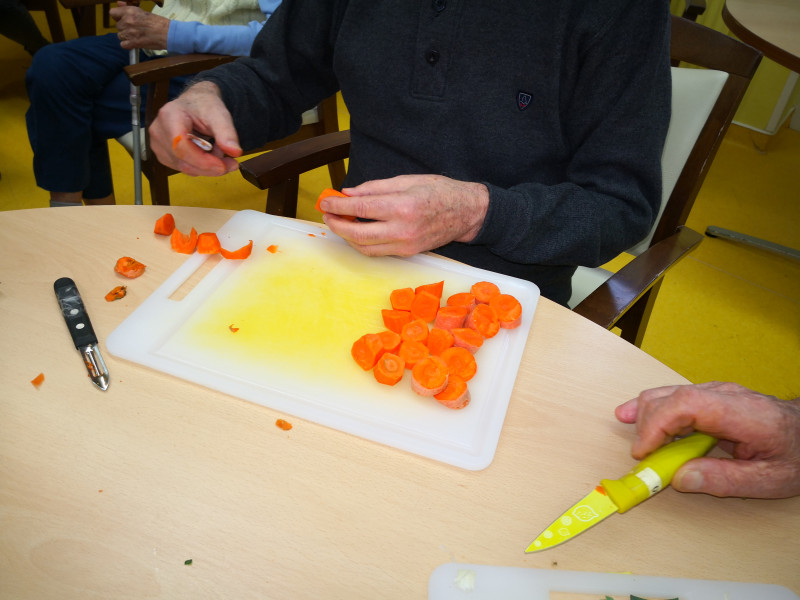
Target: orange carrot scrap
(129, 267)
(467, 338)
(429, 376)
(38, 380)
(117, 293)
(367, 350)
(483, 291)
(175, 141)
(434, 288)
(415, 331)
(208, 243)
(461, 362)
(180, 242)
(327, 193)
(391, 340)
(509, 310)
(412, 353)
(425, 306)
(232, 328)
(240, 254)
(272, 248)
(462, 299)
(439, 340)
(484, 320)
(165, 225)
(402, 298)
(455, 395)
(281, 424)
(389, 369)
(450, 317)
(395, 319)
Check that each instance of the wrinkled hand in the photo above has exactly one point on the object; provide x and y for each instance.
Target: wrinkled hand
(408, 214)
(200, 108)
(761, 433)
(139, 28)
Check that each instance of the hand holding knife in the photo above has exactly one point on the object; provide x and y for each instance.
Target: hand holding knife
(80, 328)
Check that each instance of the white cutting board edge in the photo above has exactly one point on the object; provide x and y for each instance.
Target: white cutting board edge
(143, 335)
(519, 583)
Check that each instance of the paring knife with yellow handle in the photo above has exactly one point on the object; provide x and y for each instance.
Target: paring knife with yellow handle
(650, 476)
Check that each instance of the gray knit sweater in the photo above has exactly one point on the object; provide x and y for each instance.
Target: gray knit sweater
(559, 106)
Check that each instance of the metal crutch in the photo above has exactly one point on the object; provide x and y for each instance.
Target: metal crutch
(136, 103)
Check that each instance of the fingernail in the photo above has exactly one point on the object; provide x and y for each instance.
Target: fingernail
(691, 481)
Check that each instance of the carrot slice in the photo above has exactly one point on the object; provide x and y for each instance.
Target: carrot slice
(272, 248)
(483, 291)
(462, 299)
(129, 267)
(389, 369)
(425, 306)
(165, 225)
(461, 362)
(328, 192)
(455, 395)
(484, 320)
(185, 244)
(391, 341)
(208, 243)
(415, 331)
(429, 376)
(395, 319)
(412, 353)
(434, 288)
(281, 424)
(367, 350)
(240, 254)
(402, 298)
(38, 380)
(117, 293)
(509, 310)
(439, 340)
(467, 338)
(450, 317)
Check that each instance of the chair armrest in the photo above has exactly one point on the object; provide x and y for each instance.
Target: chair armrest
(693, 9)
(613, 298)
(69, 4)
(167, 67)
(288, 162)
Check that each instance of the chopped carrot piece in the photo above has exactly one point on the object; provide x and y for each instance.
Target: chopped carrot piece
(467, 338)
(175, 141)
(434, 288)
(439, 340)
(395, 319)
(328, 192)
(391, 340)
(461, 362)
(272, 248)
(165, 225)
(450, 317)
(509, 310)
(389, 369)
(456, 394)
(415, 331)
(232, 328)
(462, 299)
(425, 306)
(117, 293)
(129, 267)
(38, 380)
(367, 350)
(412, 353)
(208, 243)
(240, 254)
(281, 424)
(483, 291)
(484, 320)
(185, 244)
(402, 298)
(429, 376)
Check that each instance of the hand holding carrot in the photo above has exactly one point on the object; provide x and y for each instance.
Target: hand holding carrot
(408, 214)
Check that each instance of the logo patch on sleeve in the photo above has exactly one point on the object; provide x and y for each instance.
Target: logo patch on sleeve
(523, 100)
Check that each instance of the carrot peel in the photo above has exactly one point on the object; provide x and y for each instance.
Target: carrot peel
(180, 242)
(118, 292)
(208, 243)
(129, 267)
(38, 380)
(240, 254)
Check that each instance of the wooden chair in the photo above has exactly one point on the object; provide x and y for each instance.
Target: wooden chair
(84, 13)
(705, 101)
(51, 13)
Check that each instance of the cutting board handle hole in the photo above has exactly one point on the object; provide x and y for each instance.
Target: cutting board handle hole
(196, 277)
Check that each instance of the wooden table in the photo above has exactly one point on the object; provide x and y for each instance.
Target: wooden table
(107, 495)
(772, 26)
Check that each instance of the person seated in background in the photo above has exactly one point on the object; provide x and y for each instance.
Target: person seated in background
(761, 433)
(80, 96)
(524, 139)
(17, 24)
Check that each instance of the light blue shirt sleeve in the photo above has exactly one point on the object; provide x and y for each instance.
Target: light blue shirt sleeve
(234, 40)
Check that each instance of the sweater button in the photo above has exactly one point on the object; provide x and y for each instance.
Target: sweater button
(432, 57)
(439, 5)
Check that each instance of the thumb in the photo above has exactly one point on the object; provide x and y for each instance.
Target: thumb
(724, 477)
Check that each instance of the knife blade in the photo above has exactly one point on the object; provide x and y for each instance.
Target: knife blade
(81, 330)
(650, 476)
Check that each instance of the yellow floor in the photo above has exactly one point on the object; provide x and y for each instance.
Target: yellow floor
(728, 312)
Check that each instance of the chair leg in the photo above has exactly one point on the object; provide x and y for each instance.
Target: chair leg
(282, 198)
(158, 177)
(337, 172)
(54, 23)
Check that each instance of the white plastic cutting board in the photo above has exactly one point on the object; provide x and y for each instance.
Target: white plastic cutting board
(298, 311)
(451, 582)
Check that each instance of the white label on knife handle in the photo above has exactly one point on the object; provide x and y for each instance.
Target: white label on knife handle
(650, 479)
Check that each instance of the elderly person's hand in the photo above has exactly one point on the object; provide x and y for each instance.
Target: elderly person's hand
(761, 433)
(408, 214)
(199, 108)
(139, 28)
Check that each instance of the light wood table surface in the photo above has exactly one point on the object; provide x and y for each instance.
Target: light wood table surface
(772, 26)
(106, 495)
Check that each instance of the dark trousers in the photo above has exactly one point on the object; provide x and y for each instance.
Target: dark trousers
(80, 98)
